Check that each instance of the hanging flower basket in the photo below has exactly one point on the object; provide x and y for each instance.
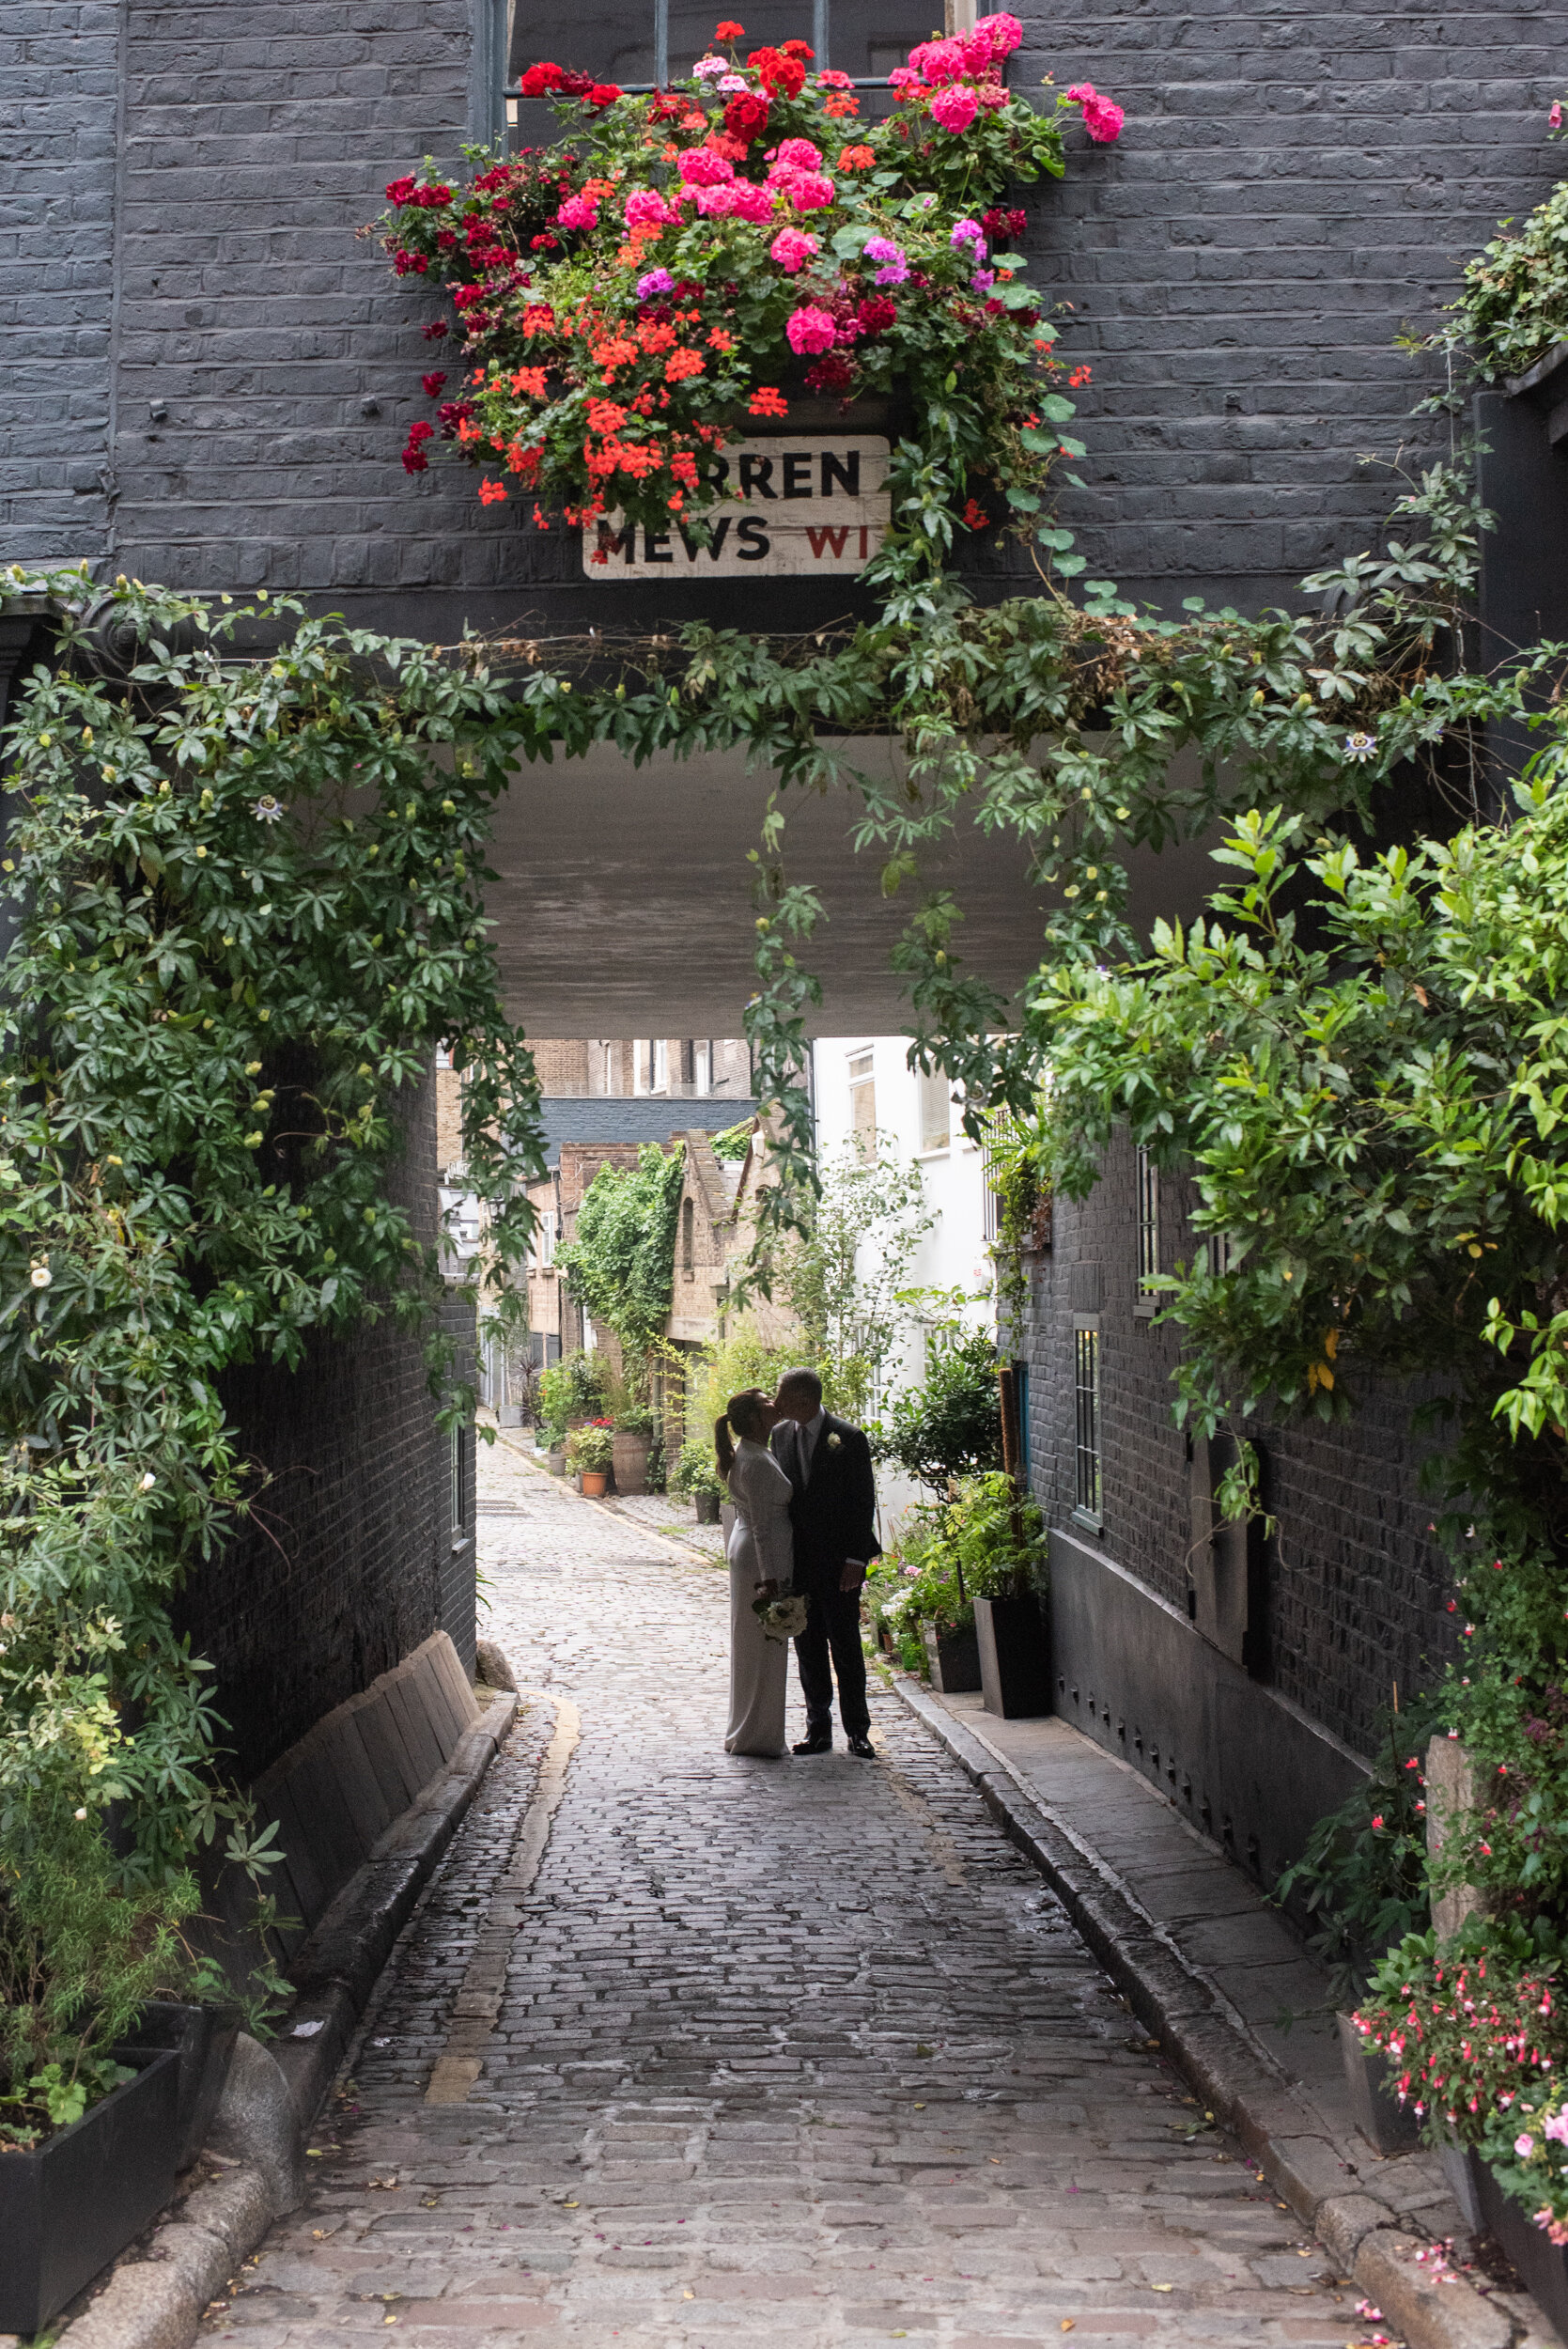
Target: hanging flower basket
(663, 280)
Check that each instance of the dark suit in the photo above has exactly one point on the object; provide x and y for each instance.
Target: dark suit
(833, 1517)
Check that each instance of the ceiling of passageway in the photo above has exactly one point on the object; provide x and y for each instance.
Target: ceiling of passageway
(624, 904)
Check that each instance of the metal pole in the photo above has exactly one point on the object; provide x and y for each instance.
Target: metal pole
(820, 33)
(661, 44)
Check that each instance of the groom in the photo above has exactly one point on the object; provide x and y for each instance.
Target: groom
(833, 1516)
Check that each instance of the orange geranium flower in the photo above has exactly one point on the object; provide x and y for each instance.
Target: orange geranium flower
(604, 416)
(529, 379)
(840, 106)
(538, 318)
(720, 339)
(657, 335)
(856, 159)
(492, 492)
(766, 401)
(681, 364)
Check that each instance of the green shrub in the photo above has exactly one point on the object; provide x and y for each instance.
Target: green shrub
(951, 1425)
(695, 1470)
(985, 1543)
(589, 1448)
(1361, 1881)
(570, 1391)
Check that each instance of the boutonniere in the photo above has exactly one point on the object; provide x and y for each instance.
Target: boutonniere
(835, 1444)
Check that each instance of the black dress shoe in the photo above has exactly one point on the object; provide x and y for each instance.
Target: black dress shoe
(862, 1749)
(818, 1743)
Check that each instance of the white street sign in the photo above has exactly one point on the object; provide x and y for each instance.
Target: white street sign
(813, 505)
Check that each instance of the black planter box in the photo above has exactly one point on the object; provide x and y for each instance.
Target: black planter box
(71, 2203)
(1388, 2126)
(952, 1659)
(1541, 2265)
(708, 1508)
(1014, 1663)
(204, 2043)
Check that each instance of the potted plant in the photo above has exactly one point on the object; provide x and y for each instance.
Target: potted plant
(590, 1455)
(630, 1442)
(626, 302)
(998, 1539)
(90, 2126)
(696, 1475)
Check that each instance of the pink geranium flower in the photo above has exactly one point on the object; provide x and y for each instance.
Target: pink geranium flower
(1005, 33)
(811, 191)
(578, 212)
(957, 107)
(645, 204)
(810, 329)
(700, 168)
(1102, 118)
(750, 202)
(792, 248)
(798, 155)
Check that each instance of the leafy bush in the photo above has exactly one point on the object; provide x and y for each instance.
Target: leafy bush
(951, 1425)
(569, 1391)
(621, 1257)
(1361, 1882)
(1515, 304)
(987, 1542)
(695, 1470)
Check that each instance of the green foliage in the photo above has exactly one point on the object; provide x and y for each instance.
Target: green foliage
(695, 1470)
(590, 1448)
(572, 1389)
(845, 1272)
(621, 1258)
(735, 1143)
(1361, 1882)
(986, 1542)
(1515, 304)
(742, 1357)
(247, 896)
(80, 1956)
(951, 1424)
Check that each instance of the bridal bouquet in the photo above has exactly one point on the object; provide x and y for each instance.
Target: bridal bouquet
(627, 300)
(780, 1618)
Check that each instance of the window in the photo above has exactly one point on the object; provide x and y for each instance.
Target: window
(936, 1107)
(998, 1136)
(689, 1060)
(649, 42)
(444, 1055)
(1146, 1296)
(641, 1062)
(687, 1237)
(544, 1240)
(659, 1067)
(1220, 1250)
(1086, 1420)
(862, 1103)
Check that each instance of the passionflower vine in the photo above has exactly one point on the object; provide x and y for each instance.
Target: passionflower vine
(1359, 748)
(267, 810)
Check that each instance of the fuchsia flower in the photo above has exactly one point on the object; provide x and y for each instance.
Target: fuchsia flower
(957, 107)
(792, 248)
(810, 329)
(1555, 118)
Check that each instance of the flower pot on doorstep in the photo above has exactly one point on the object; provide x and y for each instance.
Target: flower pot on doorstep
(630, 1451)
(1541, 2265)
(708, 1508)
(203, 2041)
(1388, 2126)
(1013, 1664)
(952, 1659)
(556, 1460)
(71, 2204)
(594, 1483)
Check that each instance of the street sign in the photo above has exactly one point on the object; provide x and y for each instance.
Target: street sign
(811, 505)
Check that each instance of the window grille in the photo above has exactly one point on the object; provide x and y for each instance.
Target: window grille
(642, 47)
(1086, 1406)
(862, 1103)
(1221, 1251)
(1148, 1231)
(999, 1135)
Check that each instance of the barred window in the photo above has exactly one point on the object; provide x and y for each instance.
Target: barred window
(1086, 1405)
(999, 1135)
(1146, 1296)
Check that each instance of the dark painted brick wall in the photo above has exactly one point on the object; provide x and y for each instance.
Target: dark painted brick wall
(1356, 1595)
(1294, 183)
(58, 85)
(348, 1560)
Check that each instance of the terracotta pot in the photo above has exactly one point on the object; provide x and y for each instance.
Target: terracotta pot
(596, 1483)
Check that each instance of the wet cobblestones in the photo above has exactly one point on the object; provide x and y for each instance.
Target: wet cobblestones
(797, 2054)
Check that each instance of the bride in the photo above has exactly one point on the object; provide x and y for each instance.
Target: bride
(762, 1565)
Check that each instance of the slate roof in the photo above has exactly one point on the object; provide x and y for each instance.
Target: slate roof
(633, 1117)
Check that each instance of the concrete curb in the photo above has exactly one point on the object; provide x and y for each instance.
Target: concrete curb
(1387, 2250)
(274, 2092)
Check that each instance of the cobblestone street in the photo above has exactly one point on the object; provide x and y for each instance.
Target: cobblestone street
(789, 2053)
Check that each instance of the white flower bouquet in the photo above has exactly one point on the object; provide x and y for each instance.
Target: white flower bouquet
(782, 1618)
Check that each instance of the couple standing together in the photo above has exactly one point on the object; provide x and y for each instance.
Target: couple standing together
(805, 1522)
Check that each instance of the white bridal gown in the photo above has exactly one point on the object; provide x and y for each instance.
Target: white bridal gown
(761, 1549)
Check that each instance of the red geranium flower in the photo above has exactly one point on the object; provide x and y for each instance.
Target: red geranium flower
(746, 116)
(541, 80)
(729, 31)
(797, 49)
(975, 516)
(432, 384)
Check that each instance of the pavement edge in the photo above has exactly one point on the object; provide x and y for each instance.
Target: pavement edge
(155, 2300)
(1386, 2251)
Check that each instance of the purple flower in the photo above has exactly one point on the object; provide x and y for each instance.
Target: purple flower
(968, 232)
(982, 280)
(655, 281)
(895, 267)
